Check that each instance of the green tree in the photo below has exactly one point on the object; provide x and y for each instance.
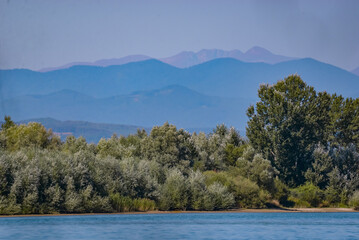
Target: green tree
(307, 195)
(345, 121)
(346, 161)
(259, 170)
(318, 174)
(168, 146)
(175, 192)
(7, 124)
(286, 123)
(32, 135)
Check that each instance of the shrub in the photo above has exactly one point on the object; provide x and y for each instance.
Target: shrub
(354, 200)
(126, 204)
(307, 195)
(248, 194)
(198, 190)
(332, 195)
(282, 193)
(218, 197)
(175, 191)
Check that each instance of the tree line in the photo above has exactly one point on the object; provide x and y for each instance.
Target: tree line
(300, 150)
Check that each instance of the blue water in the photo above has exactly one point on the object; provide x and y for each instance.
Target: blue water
(185, 226)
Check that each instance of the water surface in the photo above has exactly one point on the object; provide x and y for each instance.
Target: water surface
(185, 226)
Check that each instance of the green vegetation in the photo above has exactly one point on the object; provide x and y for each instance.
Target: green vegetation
(301, 151)
(93, 132)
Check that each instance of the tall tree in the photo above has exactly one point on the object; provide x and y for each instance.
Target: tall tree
(345, 121)
(286, 123)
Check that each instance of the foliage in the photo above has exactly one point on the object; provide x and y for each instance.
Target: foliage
(354, 200)
(169, 147)
(318, 174)
(246, 193)
(127, 204)
(282, 193)
(175, 192)
(285, 125)
(301, 150)
(307, 195)
(259, 170)
(32, 135)
(345, 121)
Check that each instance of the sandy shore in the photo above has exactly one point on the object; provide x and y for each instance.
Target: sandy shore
(271, 210)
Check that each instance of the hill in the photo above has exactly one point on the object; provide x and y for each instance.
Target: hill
(255, 54)
(224, 77)
(187, 58)
(101, 63)
(90, 80)
(151, 92)
(176, 104)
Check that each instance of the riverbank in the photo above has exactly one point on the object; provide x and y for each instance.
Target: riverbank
(266, 210)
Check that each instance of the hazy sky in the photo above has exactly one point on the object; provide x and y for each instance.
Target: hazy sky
(37, 34)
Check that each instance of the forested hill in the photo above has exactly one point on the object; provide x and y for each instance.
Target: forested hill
(302, 151)
(175, 104)
(150, 92)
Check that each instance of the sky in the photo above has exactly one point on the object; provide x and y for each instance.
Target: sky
(47, 33)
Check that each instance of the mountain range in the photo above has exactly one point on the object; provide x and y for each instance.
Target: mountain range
(188, 58)
(179, 105)
(223, 77)
(141, 91)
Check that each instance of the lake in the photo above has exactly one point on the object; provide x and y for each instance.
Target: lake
(184, 226)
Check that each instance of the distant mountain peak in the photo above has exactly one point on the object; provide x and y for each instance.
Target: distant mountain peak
(255, 54)
(187, 59)
(258, 51)
(216, 91)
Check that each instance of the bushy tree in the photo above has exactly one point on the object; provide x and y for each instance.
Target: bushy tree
(198, 190)
(322, 165)
(32, 135)
(175, 192)
(246, 193)
(7, 124)
(346, 162)
(286, 123)
(259, 170)
(307, 195)
(215, 196)
(168, 146)
(119, 147)
(345, 121)
(219, 150)
(218, 197)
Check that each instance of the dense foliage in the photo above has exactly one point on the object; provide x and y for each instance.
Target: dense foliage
(301, 151)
